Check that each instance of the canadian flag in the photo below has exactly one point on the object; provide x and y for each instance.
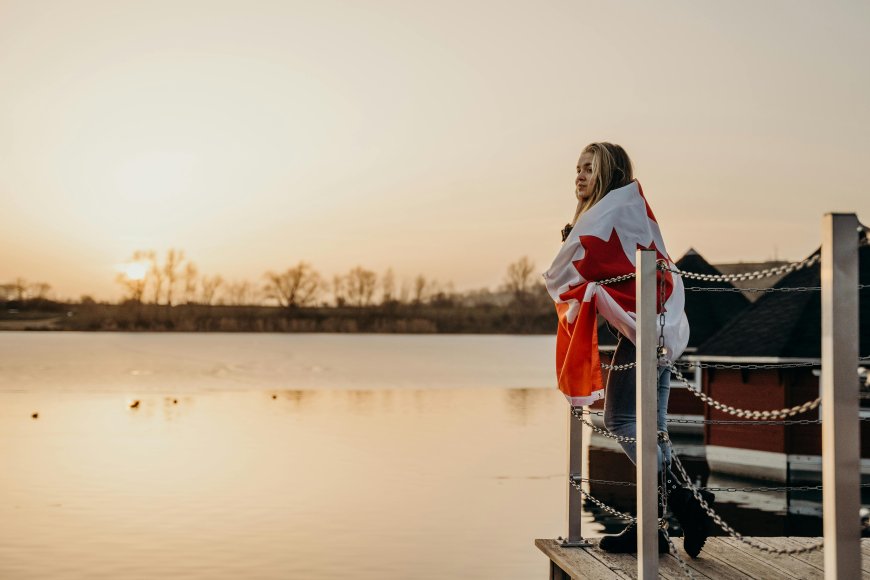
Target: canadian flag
(602, 245)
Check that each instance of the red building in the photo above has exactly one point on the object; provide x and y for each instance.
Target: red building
(779, 328)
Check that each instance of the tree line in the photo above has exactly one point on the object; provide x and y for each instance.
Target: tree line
(177, 280)
(174, 280)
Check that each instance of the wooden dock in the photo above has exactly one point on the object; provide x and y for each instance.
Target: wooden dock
(722, 557)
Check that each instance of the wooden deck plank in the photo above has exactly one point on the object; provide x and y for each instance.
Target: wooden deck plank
(789, 566)
(725, 551)
(713, 567)
(721, 558)
(818, 558)
(670, 568)
(626, 563)
(813, 560)
(577, 561)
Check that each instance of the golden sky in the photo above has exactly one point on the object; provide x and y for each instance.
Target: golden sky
(431, 137)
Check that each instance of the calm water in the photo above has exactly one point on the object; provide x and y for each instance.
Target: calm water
(293, 456)
(380, 457)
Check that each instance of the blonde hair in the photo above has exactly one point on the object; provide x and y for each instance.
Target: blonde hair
(611, 169)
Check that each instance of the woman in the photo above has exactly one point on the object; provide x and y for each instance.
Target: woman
(612, 220)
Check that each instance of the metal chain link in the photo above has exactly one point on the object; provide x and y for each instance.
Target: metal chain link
(673, 549)
(767, 272)
(755, 422)
(661, 351)
(611, 510)
(750, 366)
(624, 367)
(603, 481)
(763, 489)
(756, 275)
(718, 519)
(602, 505)
(759, 422)
(614, 280)
(786, 412)
(783, 488)
(771, 289)
(578, 414)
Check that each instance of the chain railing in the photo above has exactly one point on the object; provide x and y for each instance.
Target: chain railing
(615, 279)
(786, 412)
(696, 492)
(758, 489)
(756, 275)
(747, 366)
(578, 414)
(753, 422)
(623, 367)
(771, 289)
(756, 290)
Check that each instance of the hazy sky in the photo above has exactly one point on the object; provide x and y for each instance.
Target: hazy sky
(434, 137)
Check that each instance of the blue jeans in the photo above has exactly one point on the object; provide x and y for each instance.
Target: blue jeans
(619, 402)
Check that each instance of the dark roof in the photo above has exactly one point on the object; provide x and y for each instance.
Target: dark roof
(788, 324)
(707, 311)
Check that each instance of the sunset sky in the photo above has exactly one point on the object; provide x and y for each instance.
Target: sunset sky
(430, 137)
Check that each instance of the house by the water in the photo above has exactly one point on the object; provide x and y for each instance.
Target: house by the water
(784, 328)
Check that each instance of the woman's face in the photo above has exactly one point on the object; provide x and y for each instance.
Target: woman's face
(583, 182)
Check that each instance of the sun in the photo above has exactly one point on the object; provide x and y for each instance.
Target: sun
(135, 270)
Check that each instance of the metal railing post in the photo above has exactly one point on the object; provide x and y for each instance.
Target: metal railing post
(575, 469)
(646, 403)
(839, 384)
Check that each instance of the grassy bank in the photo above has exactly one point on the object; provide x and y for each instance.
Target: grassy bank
(515, 318)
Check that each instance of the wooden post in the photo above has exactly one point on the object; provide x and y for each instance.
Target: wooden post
(646, 403)
(839, 385)
(575, 469)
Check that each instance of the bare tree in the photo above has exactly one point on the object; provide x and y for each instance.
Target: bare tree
(421, 289)
(134, 288)
(7, 291)
(172, 271)
(40, 290)
(157, 278)
(361, 285)
(209, 286)
(388, 286)
(191, 277)
(405, 292)
(518, 280)
(297, 286)
(339, 289)
(239, 293)
(19, 288)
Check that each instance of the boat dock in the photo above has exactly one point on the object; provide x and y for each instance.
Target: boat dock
(842, 554)
(722, 557)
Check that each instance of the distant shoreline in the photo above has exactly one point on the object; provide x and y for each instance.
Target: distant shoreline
(396, 318)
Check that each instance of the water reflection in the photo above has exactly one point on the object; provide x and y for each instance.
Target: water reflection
(521, 403)
(752, 513)
(222, 485)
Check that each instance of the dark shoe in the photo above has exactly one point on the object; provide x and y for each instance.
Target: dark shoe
(692, 517)
(625, 542)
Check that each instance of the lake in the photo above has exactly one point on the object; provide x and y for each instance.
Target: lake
(278, 456)
(310, 456)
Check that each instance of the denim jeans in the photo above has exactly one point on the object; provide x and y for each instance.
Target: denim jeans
(619, 401)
